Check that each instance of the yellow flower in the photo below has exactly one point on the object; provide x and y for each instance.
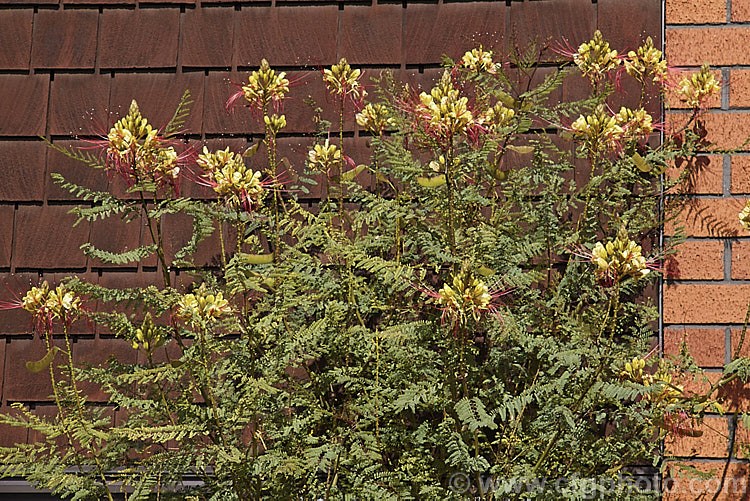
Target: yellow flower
(598, 132)
(445, 112)
(645, 62)
(228, 175)
(619, 259)
(265, 86)
(275, 123)
(497, 117)
(374, 118)
(478, 60)
(595, 58)
(131, 136)
(636, 124)
(343, 80)
(467, 296)
(200, 308)
(696, 89)
(324, 157)
(35, 298)
(148, 336)
(51, 303)
(745, 216)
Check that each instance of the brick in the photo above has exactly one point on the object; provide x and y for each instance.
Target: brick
(38, 244)
(673, 99)
(144, 38)
(736, 335)
(24, 104)
(706, 346)
(22, 164)
(720, 46)
(158, 96)
(97, 353)
(741, 260)
(74, 171)
(15, 39)
(725, 130)
(371, 34)
(696, 11)
(705, 303)
(20, 385)
(739, 88)
(625, 25)
(204, 44)
(740, 11)
(703, 174)
(78, 104)
(713, 443)
(288, 36)
(434, 30)
(742, 440)
(709, 218)
(696, 260)
(64, 39)
(735, 396)
(218, 89)
(684, 485)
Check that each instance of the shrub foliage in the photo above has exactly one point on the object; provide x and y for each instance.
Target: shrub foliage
(462, 308)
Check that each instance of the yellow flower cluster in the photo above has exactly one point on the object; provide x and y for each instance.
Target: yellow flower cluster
(55, 303)
(478, 60)
(201, 308)
(134, 144)
(148, 336)
(265, 86)
(645, 62)
(374, 118)
(467, 296)
(343, 80)
(324, 157)
(598, 131)
(595, 58)
(497, 117)
(131, 133)
(696, 89)
(745, 216)
(230, 177)
(636, 124)
(446, 112)
(619, 259)
(669, 393)
(674, 413)
(274, 123)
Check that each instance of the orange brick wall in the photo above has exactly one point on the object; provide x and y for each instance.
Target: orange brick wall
(706, 293)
